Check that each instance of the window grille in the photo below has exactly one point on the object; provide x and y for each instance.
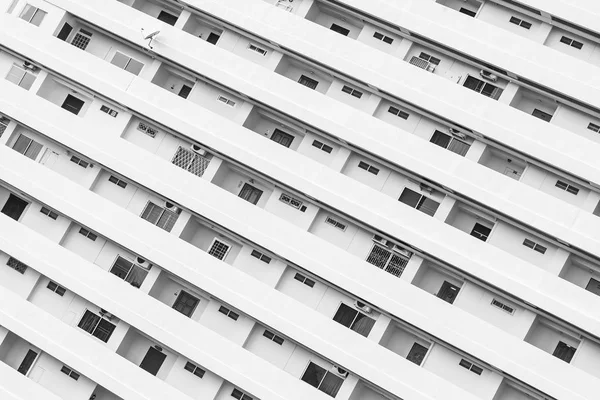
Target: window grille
(82, 39)
(129, 272)
(190, 161)
(16, 265)
(96, 326)
(387, 260)
(159, 216)
(5, 121)
(219, 249)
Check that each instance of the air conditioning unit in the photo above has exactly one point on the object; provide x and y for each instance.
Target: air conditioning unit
(172, 207)
(142, 262)
(198, 150)
(363, 307)
(379, 239)
(423, 64)
(457, 133)
(106, 314)
(488, 75)
(339, 371)
(29, 66)
(402, 251)
(426, 188)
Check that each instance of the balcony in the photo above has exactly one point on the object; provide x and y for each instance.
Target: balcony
(208, 239)
(471, 221)
(335, 20)
(534, 104)
(546, 336)
(68, 98)
(405, 343)
(503, 163)
(304, 74)
(243, 185)
(189, 301)
(274, 128)
(467, 7)
(174, 81)
(163, 12)
(438, 282)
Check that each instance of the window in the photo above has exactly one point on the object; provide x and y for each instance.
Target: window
(127, 63)
(470, 366)
(388, 260)
(262, 257)
(481, 232)
(565, 186)
(65, 31)
(26, 146)
(322, 146)
(397, 112)
(301, 278)
(20, 77)
(271, 336)
(502, 306)
(212, 38)
(161, 217)
(53, 287)
(257, 49)
(340, 29)
(82, 39)
(418, 201)
(69, 372)
(451, 143)
(335, 223)
(226, 311)
(219, 249)
(194, 369)
(184, 91)
(186, 303)
(167, 17)
(593, 286)
(467, 12)
(14, 207)
(291, 201)
(353, 319)
(48, 212)
(594, 127)
(368, 167)
(533, 245)
(72, 104)
(226, 101)
(88, 234)
(544, 116)
(109, 111)
(326, 381)
(16, 265)
(571, 42)
(383, 38)
(147, 129)
(238, 394)
(417, 354)
(27, 362)
(79, 161)
(129, 272)
(564, 352)
(352, 92)
(250, 193)
(32, 14)
(479, 86)
(284, 139)
(308, 82)
(520, 22)
(120, 183)
(431, 59)
(448, 292)
(3, 124)
(190, 161)
(96, 326)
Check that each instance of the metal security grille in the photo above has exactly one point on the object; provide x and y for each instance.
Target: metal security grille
(16, 265)
(3, 124)
(190, 161)
(82, 39)
(159, 216)
(218, 249)
(387, 260)
(423, 64)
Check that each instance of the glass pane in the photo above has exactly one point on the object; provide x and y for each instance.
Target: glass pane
(440, 139)
(410, 197)
(89, 321)
(136, 276)
(167, 220)
(458, 147)
(134, 66)
(38, 17)
(331, 384)
(121, 267)
(104, 330)
(345, 315)
(363, 324)
(428, 206)
(33, 150)
(152, 213)
(120, 60)
(314, 374)
(27, 13)
(27, 81)
(21, 144)
(15, 75)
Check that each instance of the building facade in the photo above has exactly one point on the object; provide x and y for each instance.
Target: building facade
(299, 199)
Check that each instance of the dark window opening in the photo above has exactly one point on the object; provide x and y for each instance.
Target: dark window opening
(14, 207)
(340, 29)
(168, 18)
(72, 104)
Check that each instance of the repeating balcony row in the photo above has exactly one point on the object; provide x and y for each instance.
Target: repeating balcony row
(497, 161)
(395, 112)
(155, 357)
(261, 191)
(47, 371)
(531, 23)
(417, 347)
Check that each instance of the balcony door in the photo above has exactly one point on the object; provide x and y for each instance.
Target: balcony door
(284, 139)
(250, 193)
(153, 360)
(27, 362)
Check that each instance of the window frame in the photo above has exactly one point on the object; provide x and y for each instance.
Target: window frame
(273, 337)
(69, 372)
(49, 213)
(228, 312)
(128, 63)
(398, 112)
(534, 246)
(194, 369)
(56, 288)
(322, 146)
(305, 280)
(96, 330)
(226, 100)
(325, 375)
(88, 234)
(261, 256)
(254, 48)
(351, 91)
(368, 167)
(119, 182)
(25, 73)
(37, 10)
(384, 38)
